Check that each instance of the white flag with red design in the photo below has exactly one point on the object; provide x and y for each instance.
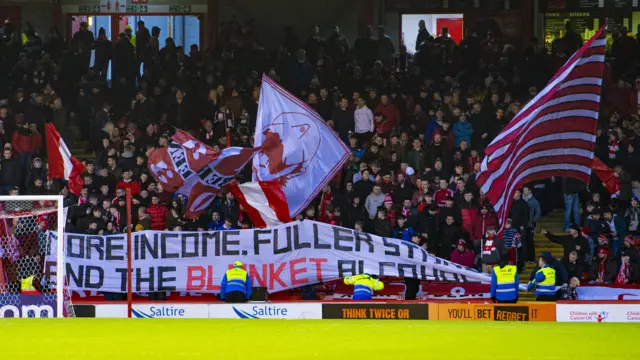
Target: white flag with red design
(299, 149)
(61, 164)
(264, 202)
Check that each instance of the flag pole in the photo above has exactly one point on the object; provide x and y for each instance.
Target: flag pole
(129, 282)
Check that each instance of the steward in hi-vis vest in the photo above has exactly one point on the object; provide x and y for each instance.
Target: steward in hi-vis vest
(236, 285)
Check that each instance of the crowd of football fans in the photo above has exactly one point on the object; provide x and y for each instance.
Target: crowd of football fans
(416, 124)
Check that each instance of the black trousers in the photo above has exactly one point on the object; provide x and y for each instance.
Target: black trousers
(529, 246)
(507, 301)
(412, 286)
(236, 297)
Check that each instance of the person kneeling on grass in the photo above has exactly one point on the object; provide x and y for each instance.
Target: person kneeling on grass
(363, 286)
(236, 285)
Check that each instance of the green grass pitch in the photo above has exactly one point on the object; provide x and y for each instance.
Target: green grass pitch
(114, 339)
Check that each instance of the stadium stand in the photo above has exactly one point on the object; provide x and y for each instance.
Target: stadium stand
(416, 124)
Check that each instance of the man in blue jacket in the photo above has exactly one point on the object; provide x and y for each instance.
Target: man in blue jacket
(236, 285)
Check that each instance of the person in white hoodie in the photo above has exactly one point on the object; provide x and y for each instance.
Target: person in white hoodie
(363, 117)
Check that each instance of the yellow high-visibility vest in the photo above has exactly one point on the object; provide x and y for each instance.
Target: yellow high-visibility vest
(27, 284)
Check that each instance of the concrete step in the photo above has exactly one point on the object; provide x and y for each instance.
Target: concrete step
(553, 222)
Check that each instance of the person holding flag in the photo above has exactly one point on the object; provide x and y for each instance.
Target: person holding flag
(61, 164)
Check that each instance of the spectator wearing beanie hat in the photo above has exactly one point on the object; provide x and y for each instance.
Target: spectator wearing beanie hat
(389, 207)
(461, 255)
(603, 271)
(628, 248)
(628, 271)
(491, 249)
(601, 242)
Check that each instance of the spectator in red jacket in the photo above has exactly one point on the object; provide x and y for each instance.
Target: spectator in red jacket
(461, 255)
(326, 199)
(128, 183)
(468, 211)
(442, 193)
(26, 142)
(330, 216)
(472, 160)
(158, 214)
(482, 223)
(389, 110)
(383, 125)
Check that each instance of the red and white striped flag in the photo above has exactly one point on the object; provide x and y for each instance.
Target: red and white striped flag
(553, 135)
(61, 164)
(264, 202)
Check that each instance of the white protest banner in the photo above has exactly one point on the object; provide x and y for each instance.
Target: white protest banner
(279, 258)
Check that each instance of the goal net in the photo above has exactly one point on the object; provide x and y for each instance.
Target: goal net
(31, 282)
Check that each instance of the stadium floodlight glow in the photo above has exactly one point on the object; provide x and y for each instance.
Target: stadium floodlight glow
(29, 227)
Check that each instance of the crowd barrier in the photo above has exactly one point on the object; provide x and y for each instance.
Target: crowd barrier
(564, 311)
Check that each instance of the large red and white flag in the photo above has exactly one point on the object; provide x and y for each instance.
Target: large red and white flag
(264, 202)
(61, 164)
(299, 149)
(553, 135)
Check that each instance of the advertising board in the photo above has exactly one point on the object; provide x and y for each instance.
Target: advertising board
(213, 311)
(497, 312)
(390, 311)
(599, 312)
(152, 311)
(266, 311)
(27, 306)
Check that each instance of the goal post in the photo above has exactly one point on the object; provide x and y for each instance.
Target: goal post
(32, 257)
